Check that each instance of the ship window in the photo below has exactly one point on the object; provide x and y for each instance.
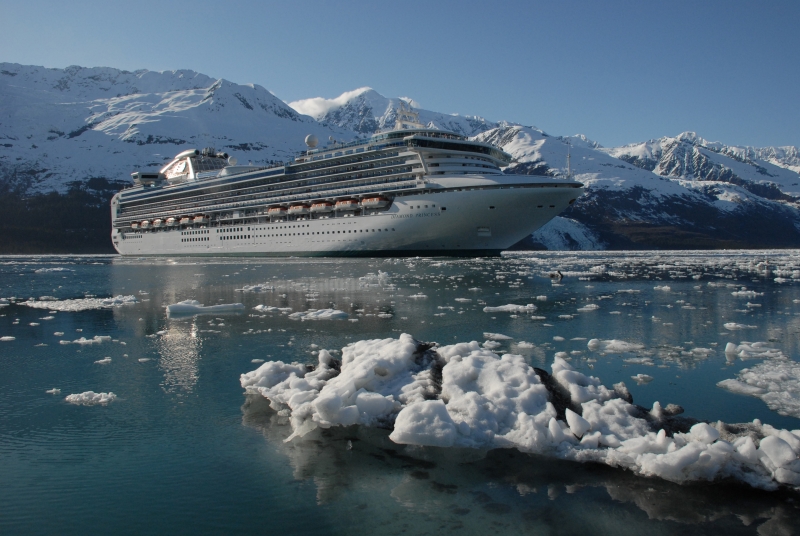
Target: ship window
(444, 208)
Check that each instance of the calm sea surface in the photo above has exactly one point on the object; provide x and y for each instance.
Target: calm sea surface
(183, 450)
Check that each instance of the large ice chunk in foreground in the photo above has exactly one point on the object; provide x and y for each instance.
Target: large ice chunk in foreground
(464, 395)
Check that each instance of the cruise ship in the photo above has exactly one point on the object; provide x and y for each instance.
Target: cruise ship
(409, 191)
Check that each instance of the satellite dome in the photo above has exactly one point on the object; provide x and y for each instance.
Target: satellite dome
(311, 141)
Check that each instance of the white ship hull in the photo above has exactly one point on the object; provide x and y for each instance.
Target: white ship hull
(485, 219)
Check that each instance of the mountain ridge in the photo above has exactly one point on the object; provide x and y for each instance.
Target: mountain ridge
(85, 129)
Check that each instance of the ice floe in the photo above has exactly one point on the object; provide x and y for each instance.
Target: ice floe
(271, 309)
(7, 338)
(79, 304)
(753, 350)
(511, 308)
(775, 381)
(463, 395)
(319, 314)
(83, 341)
(733, 326)
(613, 346)
(195, 307)
(90, 398)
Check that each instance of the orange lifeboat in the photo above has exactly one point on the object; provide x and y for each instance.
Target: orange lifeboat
(374, 202)
(347, 204)
(200, 218)
(298, 209)
(186, 220)
(135, 225)
(145, 224)
(159, 223)
(322, 206)
(170, 222)
(276, 211)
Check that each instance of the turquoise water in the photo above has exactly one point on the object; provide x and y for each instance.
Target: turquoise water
(183, 450)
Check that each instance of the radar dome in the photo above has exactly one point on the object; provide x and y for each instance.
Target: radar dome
(232, 161)
(311, 141)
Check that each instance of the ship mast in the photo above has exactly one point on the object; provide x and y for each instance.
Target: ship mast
(407, 118)
(569, 167)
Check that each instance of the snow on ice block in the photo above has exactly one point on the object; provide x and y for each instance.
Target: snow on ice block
(426, 423)
(195, 307)
(90, 398)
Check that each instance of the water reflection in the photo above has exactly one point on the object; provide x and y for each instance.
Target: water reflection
(477, 491)
(179, 352)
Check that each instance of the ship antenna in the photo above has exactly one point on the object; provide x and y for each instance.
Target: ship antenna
(569, 167)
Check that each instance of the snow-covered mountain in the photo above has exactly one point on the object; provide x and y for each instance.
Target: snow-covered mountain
(648, 196)
(63, 125)
(364, 110)
(89, 128)
(690, 157)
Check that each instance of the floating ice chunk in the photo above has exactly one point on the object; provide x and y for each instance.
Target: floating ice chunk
(629, 291)
(541, 298)
(463, 395)
(642, 378)
(496, 337)
(195, 307)
(56, 269)
(663, 288)
(558, 338)
(104, 361)
(83, 304)
(746, 293)
(418, 296)
(90, 398)
(738, 387)
(733, 326)
(525, 344)
(270, 309)
(144, 359)
(53, 391)
(319, 314)
(511, 308)
(588, 307)
(491, 345)
(83, 341)
(753, 350)
(255, 288)
(776, 382)
(613, 346)
(463, 300)
(7, 338)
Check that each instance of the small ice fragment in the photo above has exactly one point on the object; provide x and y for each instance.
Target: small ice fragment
(642, 378)
(144, 359)
(53, 391)
(104, 361)
(496, 337)
(733, 326)
(90, 398)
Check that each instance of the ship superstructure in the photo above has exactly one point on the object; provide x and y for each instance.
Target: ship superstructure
(410, 191)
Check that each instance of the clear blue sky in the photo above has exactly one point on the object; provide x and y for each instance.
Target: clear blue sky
(616, 71)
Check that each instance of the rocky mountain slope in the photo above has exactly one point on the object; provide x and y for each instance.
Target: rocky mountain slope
(69, 138)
